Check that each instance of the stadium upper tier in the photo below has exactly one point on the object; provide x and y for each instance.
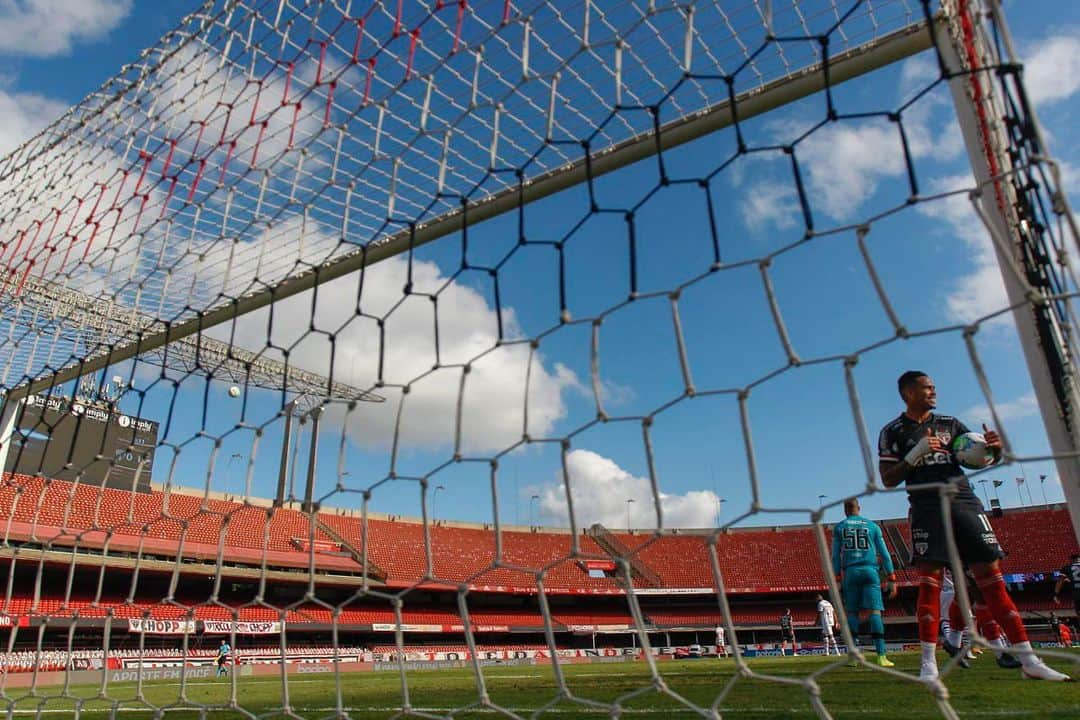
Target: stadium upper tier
(57, 514)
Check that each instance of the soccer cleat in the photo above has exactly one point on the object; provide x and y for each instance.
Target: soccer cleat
(1039, 670)
(885, 662)
(953, 651)
(928, 672)
(1007, 661)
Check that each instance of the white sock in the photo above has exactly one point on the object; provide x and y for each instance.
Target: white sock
(955, 637)
(1026, 655)
(928, 653)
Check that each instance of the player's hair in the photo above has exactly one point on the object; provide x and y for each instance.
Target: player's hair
(851, 506)
(819, 597)
(908, 379)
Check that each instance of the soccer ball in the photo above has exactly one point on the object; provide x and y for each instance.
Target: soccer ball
(970, 451)
(234, 391)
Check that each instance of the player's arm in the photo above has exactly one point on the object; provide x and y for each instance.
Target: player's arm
(1062, 581)
(893, 472)
(836, 542)
(886, 561)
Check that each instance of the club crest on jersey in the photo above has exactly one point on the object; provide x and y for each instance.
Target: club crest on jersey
(945, 437)
(921, 548)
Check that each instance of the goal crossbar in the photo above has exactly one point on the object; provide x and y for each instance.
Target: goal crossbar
(872, 55)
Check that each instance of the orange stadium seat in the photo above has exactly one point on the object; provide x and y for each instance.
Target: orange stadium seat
(750, 560)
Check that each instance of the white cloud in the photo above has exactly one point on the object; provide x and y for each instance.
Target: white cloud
(494, 403)
(932, 130)
(1052, 71)
(45, 28)
(770, 203)
(23, 115)
(845, 163)
(1021, 407)
(917, 72)
(980, 290)
(613, 394)
(979, 293)
(600, 490)
(1070, 177)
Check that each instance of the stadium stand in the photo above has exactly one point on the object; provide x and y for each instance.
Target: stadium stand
(764, 570)
(752, 560)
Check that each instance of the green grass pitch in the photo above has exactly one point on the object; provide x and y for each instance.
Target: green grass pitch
(983, 691)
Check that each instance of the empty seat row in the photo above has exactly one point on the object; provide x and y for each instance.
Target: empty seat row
(750, 560)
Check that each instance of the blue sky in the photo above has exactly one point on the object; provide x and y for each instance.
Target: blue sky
(932, 258)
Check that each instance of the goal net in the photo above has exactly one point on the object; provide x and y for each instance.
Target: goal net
(384, 336)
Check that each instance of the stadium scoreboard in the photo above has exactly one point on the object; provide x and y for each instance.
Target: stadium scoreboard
(57, 437)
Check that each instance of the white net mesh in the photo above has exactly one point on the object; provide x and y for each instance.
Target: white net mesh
(251, 398)
(256, 143)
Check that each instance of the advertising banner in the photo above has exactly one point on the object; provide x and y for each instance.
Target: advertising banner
(160, 627)
(227, 627)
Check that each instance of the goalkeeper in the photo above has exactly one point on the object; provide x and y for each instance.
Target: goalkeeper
(857, 548)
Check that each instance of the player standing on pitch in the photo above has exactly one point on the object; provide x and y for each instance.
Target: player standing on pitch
(787, 633)
(721, 643)
(914, 449)
(857, 548)
(827, 619)
(223, 658)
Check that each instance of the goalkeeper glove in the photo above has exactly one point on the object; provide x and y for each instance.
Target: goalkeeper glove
(921, 448)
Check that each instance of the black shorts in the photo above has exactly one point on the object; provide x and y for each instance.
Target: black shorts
(1076, 602)
(975, 539)
(788, 634)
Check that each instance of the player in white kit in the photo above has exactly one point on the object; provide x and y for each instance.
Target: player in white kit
(721, 645)
(827, 617)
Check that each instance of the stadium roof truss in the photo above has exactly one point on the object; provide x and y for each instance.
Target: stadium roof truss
(43, 308)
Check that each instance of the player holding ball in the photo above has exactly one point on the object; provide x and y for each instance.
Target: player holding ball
(916, 449)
